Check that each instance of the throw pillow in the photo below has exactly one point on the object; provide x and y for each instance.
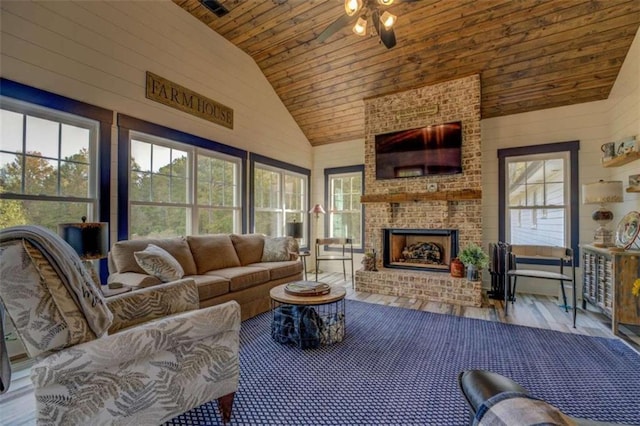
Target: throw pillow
(158, 262)
(276, 249)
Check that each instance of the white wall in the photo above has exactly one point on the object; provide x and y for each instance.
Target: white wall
(98, 52)
(593, 124)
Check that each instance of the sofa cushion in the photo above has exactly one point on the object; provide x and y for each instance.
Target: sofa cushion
(158, 262)
(210, 286)
(242, 276)
(124, 260)
(279, 270)
(248, 247)
(276, 249)
(212, 252)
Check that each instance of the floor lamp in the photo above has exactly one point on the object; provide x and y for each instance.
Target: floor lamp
(89, 239)
(317, 210)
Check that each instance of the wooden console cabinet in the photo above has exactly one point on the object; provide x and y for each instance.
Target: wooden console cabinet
(607, 280)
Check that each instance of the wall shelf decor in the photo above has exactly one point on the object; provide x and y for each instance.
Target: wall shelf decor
(622, 159)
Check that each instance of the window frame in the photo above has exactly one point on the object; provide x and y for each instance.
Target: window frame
(572, 204)
(282, 168)
(128, 125)
(328, 172)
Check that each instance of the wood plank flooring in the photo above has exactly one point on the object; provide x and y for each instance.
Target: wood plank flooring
(17, 406)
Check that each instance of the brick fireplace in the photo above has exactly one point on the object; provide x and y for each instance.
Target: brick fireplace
(442, 202)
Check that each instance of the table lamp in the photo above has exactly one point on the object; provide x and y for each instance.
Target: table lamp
(89, 239)
(294, 230)
(602, 192)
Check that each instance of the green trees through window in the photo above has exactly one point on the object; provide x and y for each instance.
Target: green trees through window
(162, 187)
(47, 168)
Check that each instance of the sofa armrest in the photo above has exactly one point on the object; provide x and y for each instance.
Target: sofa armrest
(150, 303)
(147, 341)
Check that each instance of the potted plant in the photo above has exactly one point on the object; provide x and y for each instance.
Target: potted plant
(475, 259)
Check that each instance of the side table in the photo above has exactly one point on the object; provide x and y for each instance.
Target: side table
(303, 255)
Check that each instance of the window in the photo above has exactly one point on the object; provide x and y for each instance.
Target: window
(162, 182)
(344, 187)
(279, 196)
(176, 183)
(538, 194)
(48, 166)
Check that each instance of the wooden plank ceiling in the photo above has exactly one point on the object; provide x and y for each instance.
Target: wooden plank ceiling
(530, 54)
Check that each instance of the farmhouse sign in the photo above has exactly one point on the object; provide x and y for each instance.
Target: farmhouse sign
(171, 94)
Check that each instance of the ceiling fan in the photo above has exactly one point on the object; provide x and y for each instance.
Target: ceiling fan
(359, 12)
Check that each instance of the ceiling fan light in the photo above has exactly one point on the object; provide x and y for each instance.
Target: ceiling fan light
(387, 19)
(385, 2)
(360, 28)
(352, 6)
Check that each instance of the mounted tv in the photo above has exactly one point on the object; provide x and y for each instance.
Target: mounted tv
(431, 150)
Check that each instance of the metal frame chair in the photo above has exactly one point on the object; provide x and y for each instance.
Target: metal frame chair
(346, 253)
(555, 254)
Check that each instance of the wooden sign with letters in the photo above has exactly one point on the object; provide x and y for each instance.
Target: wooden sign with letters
(176, 96)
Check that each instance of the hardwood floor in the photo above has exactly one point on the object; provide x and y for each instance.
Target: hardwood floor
(17, 406)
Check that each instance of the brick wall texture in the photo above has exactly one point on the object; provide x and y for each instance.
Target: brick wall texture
(457, 100)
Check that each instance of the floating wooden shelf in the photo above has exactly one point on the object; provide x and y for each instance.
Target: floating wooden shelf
(405, 197)
(633, 189)
(622, 159)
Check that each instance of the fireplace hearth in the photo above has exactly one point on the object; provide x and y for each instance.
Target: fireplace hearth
(420, 249)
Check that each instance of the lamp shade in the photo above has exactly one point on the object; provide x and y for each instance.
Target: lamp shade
(317, 209)
(602, 192)
(294, 229)
(89, 240)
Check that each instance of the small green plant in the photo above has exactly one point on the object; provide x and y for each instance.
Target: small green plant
(473, 255)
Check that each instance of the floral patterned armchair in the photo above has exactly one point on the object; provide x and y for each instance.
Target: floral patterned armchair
(138, 358)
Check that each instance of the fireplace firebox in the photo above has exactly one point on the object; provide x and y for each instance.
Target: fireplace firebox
(420, 249)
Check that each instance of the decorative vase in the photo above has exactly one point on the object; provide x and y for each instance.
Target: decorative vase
(457, 268)
(473, 274)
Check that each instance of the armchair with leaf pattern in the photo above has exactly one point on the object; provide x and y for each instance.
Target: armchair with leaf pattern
(138, 358)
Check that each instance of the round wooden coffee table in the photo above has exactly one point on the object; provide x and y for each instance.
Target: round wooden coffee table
(307, 321)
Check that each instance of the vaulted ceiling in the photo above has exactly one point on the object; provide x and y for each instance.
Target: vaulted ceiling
(530, 54)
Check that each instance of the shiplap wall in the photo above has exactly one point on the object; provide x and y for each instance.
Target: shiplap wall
(98, 52)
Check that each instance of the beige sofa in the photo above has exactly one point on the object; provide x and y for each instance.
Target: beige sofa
(224, 266)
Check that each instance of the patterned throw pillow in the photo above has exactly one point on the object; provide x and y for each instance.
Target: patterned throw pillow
(158, 262)
(276, 249)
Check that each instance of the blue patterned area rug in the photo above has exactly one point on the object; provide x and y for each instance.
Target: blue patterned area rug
(399, 367)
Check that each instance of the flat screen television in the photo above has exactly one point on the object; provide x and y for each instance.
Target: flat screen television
(431, 150)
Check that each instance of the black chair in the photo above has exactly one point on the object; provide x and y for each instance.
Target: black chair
(343, 253)
(556, 255)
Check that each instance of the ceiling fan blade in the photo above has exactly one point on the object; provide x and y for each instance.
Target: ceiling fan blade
(336, 26)
(388, 37)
